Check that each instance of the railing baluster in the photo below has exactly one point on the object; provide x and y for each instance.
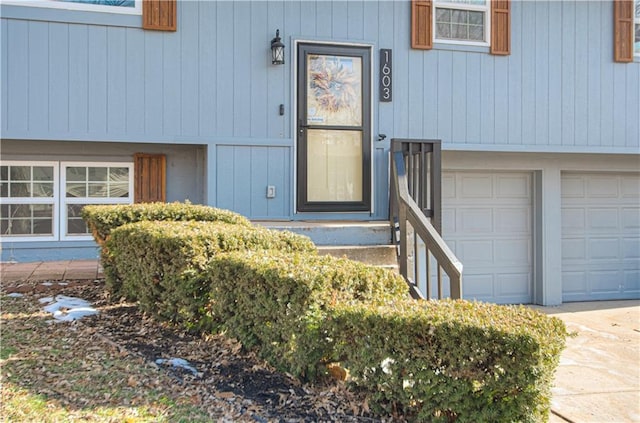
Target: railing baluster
(415, 195)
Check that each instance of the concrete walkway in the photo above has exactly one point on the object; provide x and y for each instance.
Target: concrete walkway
(598, 379)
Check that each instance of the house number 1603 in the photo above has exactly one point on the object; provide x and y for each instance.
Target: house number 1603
(386, 79)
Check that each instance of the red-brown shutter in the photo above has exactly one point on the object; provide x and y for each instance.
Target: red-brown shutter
(501, 27)
(150, 178)
(623, 30)
(160, 15)
(421, 14)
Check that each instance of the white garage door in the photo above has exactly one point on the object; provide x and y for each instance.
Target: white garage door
(487, 222)
(600, 236)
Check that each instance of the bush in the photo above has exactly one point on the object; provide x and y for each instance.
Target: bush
(280, 302)
(102, 219)
(450, 360)
(161, 264)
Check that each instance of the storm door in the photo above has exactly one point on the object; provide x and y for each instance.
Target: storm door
(334, 134)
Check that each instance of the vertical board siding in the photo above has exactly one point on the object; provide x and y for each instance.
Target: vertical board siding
(243, 174)
(212, 78)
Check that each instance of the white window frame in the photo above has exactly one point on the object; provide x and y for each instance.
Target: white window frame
(443, 4)
(64, 200)
(67, 5)
(36, 200)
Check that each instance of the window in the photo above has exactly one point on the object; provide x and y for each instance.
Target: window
(31, 208)
(90, 183)
(27, 200)
(464, 21)
(471, 22)
(112, 6)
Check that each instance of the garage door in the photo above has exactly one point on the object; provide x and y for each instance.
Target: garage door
(487, 222)
(600, 236)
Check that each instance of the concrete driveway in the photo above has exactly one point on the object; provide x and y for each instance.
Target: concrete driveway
(598, 379)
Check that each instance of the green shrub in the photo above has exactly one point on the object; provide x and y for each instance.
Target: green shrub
(450, 360)
(280, 302)
(102, 219)
(160, 263)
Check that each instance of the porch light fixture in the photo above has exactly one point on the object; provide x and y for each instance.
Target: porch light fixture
(277, 50)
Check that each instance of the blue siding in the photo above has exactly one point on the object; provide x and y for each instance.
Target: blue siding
(211, 83)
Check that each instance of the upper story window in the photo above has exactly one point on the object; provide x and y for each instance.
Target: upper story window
(112, 6)
(461, 21)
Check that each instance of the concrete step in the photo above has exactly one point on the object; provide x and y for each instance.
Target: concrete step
(337, 233)
(376, 255)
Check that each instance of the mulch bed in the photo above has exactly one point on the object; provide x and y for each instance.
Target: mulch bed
(229, 381)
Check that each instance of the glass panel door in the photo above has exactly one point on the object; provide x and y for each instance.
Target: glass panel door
(334, 151)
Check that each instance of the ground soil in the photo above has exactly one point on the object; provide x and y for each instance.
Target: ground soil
(229, 380)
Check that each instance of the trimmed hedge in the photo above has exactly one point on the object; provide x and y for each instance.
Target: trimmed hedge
(102, 219)
(280, 302)
(161, 264)
(450, 360)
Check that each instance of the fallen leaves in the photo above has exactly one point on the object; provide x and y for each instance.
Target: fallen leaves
(105, 365)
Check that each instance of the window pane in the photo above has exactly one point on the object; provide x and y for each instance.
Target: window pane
(42, 226)
(4, 189)
(97, 174)
(471, 2)
(43, 173)
(98, 190)
(76, 190)
(27, 219)
(476, 18)
(20, 173)
(119, 190)
(75, 223)
(76, 173)
(42, 189)
(459, 16)
(459, 32)
(4, 173)
(443, 30)
(476, 33)
(20, 189)
(4, 211)
(119, 174)
(443, 15)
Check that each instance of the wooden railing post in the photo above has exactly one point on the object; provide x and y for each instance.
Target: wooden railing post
(415, 197)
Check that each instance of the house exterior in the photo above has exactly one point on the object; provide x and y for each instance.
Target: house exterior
(537, 104)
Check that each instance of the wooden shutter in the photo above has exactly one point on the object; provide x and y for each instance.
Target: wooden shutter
(160, 15)
(421, 16)
(150, 178)
(501, 27)
(623, 30)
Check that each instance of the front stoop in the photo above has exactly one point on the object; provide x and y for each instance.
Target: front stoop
(365, 241)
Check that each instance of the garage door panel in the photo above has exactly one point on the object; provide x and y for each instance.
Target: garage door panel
(475, 252)
(604, 249)
(630, 187)
(631, 249)
(630, 218)
(574, 249)
(513, 252)
(475, 185)
(478, 286)
(488, 221)
(600, 259)
(513, 187)
(574, 283)
(514, 285)
(603, 219)
(513, 220)
(479, 220)
(573, 220)
(606, 281)
(601, 186)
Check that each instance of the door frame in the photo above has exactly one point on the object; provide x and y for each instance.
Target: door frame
(367, 205)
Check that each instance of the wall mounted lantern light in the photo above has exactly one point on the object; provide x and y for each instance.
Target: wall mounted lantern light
(277, 50)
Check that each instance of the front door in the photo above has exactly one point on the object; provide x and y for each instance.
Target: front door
(334, 134)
